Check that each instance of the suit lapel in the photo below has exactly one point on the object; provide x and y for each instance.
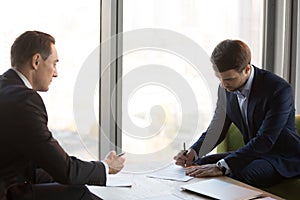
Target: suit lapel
(236, 115)
(253, 99)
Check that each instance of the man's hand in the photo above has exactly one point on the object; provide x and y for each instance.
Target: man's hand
(208, 170)
(114, 162)
(184, 158)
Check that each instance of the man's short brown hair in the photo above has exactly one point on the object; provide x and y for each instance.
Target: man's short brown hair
(230, 54)
(28, 44)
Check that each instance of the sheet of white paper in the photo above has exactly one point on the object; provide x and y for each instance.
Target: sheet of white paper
(119, 180)
(172, 172)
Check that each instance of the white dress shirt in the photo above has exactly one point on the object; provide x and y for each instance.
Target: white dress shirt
(242, 97)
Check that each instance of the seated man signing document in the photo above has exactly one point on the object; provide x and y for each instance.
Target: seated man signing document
(261, 105)
(33, 164)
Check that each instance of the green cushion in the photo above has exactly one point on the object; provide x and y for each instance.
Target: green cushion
(288, 189)
(233, 140)
(297, 122)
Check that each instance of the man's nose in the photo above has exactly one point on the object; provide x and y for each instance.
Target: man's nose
(224, 83)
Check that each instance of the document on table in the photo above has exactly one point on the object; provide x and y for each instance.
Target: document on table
(116, 180)
(119, 180)
(172, 172)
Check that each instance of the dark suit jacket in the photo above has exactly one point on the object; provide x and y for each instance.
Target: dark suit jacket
(271, 132)
(26, 142)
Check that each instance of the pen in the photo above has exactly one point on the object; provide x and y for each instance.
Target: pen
(184, 153)
(121, 154)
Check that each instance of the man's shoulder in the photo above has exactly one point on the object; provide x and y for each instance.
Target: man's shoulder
(8, 79)
(15, 93)
(269, 79)
(11, 89)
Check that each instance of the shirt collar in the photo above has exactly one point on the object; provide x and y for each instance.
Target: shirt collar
(24, 79)
(247, 87)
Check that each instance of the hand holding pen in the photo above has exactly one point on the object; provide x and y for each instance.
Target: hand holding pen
(185, 157)
(115, 162)
(184, 153)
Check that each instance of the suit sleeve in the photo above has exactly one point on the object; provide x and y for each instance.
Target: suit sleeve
(217, 128)
(45, 151)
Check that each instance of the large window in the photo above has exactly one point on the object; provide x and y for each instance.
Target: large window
(166, 99)
(155, 120)
(75, 26)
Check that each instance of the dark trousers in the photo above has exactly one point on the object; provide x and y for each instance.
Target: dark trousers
(258, 173)
(45, 189)
(50, 191)
(55, 191)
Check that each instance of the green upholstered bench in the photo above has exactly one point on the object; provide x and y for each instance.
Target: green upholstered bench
(288, 189)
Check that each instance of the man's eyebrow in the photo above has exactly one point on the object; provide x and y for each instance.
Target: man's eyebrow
(229, 78)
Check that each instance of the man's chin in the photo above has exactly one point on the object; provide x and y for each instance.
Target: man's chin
(231, 89)
(43, 89)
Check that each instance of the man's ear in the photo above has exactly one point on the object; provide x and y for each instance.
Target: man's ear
(35, 61)
(248, 69)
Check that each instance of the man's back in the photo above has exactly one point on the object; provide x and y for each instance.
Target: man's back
(30, 156)
(14, 159)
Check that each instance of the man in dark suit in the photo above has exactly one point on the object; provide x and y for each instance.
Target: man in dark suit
(33, 164)
(261, 105)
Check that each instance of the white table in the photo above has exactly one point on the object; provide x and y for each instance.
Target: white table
(145, 187)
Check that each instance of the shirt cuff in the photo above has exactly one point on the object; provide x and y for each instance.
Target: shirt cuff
(106, 167)
(196, 156)
(222, 164)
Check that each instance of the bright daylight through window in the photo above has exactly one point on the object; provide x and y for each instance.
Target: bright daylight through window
(76, 30)
(154, 107)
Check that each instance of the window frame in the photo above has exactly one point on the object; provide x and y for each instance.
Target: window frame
(281, 42)
(280, 55)
(109, 104)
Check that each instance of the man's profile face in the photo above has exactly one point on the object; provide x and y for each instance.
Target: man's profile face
(233, 80)
(46, 71)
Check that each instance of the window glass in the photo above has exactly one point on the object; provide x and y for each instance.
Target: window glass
(75, 26)
(156, 109)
